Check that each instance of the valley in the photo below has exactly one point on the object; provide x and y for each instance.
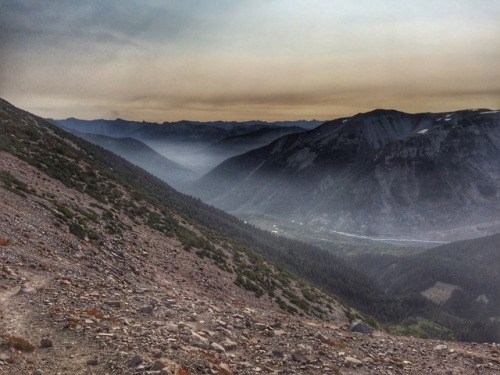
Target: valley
(249, 187)
(379, 191)
(123, 274)
(341, 244)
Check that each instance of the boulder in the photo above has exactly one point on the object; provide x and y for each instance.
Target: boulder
(360, 326)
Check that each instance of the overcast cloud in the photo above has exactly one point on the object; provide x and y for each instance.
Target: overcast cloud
(236, 59)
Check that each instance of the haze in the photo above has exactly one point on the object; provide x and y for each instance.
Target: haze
(240, 60)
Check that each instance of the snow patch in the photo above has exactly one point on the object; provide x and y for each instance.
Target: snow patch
(423, 131)
(489, 112)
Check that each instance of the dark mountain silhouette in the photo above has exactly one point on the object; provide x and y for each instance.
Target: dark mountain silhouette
(378, 173)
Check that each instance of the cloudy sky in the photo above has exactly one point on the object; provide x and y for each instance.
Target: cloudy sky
(165, 60)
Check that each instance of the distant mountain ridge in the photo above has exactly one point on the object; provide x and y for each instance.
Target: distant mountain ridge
(180, 130)
(380, 173)
(197, 146)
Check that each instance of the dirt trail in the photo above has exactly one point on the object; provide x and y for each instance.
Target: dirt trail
(15, 319)
(23, 315)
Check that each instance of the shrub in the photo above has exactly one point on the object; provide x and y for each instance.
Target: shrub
(20, 344)
(77, 230)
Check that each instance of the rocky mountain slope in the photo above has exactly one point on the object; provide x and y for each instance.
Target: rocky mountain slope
(98, 276)
(383, 173)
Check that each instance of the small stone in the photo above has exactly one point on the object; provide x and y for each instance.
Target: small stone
(46, 343)
(157, 366)
(170, 302)
(92, 362)
(114, 303)
(171, 327)
(8, 271)
(135, 361)
(221, 323)
(260, 326)
(477, 359)
(147, 310)
(299, 357)
(440, 348)
(224, 369)
(229, 344)
(36, 372)
(354, 362)
(321, 337)
(217, 347)
(26, 289)
(276, 324)
(193, 317)
(278, 353)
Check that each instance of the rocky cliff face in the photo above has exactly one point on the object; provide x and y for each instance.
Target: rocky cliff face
(379, 173)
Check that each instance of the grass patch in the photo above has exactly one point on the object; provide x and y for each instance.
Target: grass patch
(421, 327)
(13, 184)
(18, 343)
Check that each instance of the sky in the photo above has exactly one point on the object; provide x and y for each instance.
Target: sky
(166, 60)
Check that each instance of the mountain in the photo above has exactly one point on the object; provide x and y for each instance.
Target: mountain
(197, 146)
(182, 131)
(239, 144)
(461, 277)
(143, 156)
(179, 131)
(106, 269)
(382, 173)
(228, 125)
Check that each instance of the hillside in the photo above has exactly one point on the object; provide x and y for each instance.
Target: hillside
(138, 153)
(239, 144)
(105, 269)
(380, 174)
(461, 277)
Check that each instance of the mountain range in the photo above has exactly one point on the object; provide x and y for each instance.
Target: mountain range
(105, 268)
(383, 173)
(196, 146)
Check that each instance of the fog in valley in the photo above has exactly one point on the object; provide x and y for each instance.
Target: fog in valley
(196, 157)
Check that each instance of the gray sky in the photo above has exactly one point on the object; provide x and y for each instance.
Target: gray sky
(162, 60)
